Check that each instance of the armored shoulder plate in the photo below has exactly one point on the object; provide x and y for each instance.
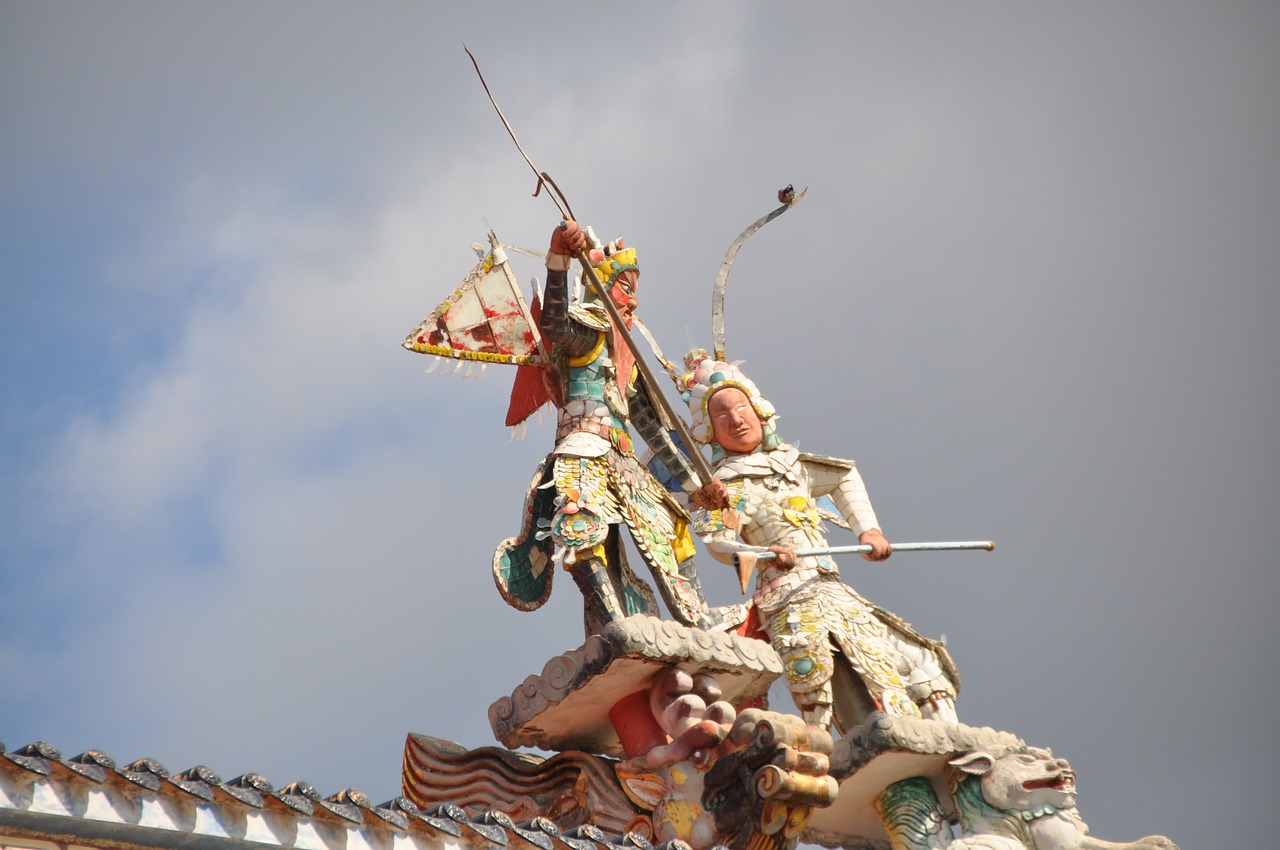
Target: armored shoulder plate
(830, 462)
(594, 319)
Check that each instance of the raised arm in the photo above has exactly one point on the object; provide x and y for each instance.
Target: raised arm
(556, 325)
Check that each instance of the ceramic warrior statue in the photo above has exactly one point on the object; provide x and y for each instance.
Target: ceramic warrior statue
(592, 484)
(844, 657)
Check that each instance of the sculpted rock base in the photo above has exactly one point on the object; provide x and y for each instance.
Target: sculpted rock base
(692, 766)
(567, 706)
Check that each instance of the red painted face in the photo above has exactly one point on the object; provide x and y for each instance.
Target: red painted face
(623, 293)
(734, 422)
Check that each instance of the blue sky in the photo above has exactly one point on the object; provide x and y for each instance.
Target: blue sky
(1032, 290)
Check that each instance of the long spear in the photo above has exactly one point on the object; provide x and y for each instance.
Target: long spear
(646, 374)
(946, 546)
(746, 565)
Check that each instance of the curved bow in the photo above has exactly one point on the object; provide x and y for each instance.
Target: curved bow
(789, 199)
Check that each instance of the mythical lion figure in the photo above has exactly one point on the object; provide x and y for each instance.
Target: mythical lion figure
(1022, 799)
(1026, 800)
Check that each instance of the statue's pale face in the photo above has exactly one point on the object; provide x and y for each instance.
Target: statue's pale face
(734, 422)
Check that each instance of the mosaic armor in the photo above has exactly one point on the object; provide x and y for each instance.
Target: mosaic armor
(592, 484)
(812, 618)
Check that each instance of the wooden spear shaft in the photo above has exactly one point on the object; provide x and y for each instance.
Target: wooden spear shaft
(646, 374)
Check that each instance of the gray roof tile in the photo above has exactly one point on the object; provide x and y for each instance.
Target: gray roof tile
(90, 798)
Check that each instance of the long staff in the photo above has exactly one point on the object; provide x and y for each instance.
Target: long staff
(945, 546)
(588, 276)
(745, 566)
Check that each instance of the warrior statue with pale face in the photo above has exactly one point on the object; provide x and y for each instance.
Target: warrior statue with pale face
(592, 484)
(844, 657)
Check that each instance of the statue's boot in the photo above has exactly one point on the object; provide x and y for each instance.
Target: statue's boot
(934, 695)
(939, 705)
(599, 598)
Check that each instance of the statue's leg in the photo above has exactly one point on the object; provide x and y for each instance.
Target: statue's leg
(670, 559)
(851, 699)
(600, 602)
(634, 595)
(865, 642)
(815, 705)
(798, 633)
(708, 617)
(927, 684)
(583, 529)
(870, 660)
(661, 534)
(724, 617)
(939, 705)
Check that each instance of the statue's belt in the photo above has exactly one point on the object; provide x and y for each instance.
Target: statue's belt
(771, 595)
(617, 437)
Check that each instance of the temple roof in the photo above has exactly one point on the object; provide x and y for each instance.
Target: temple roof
(89, 799)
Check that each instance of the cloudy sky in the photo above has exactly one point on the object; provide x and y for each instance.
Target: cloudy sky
(1033, 290)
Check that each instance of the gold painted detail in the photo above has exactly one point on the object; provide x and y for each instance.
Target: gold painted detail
(595, 493)
(591, 355)
(801, 512)
(683, 543)
(482, 356)
(804, 630)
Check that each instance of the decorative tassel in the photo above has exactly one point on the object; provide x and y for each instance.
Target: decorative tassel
(458, 368)
(432, 366)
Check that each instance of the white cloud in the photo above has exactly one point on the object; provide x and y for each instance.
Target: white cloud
(281, 456)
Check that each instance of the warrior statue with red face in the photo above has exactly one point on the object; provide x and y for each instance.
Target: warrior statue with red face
(844, 657)
(592, 484)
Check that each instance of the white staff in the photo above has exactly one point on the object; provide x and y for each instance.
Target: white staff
(946, 546)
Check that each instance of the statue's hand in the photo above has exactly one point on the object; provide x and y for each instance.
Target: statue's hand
(568, 240)
(786, 557)
(880, 548)
(711, 496)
